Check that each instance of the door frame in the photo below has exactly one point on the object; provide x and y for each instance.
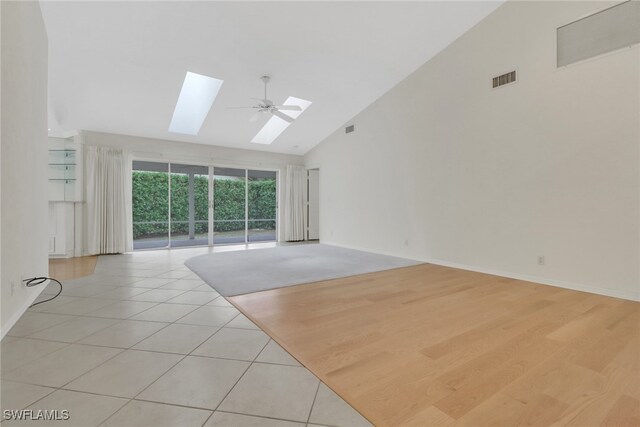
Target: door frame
(308, 203)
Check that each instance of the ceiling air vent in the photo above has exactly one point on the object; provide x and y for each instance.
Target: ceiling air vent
(349, 129)
(504, 79)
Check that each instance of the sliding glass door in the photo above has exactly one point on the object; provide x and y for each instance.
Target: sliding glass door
(170, 205)
(176, 205)
(189, 205)
(261, 205)
(150, 205)
(229, 205)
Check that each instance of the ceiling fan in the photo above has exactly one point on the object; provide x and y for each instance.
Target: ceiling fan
(265, 105)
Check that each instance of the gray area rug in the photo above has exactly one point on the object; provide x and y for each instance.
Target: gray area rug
(242, 272)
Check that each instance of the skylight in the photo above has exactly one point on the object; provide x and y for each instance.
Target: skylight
(275, 126)
(195, 100)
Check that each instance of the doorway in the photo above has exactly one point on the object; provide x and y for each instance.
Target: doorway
(313, 204)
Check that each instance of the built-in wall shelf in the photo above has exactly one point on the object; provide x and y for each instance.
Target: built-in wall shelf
(65, 169)
(65, 183)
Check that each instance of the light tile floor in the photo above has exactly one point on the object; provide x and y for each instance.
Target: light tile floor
(144, 342)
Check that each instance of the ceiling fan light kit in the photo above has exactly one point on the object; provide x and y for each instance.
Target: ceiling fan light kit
(265, 105)
(281, 116)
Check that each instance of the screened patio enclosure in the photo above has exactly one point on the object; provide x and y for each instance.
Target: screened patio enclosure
(177, 205)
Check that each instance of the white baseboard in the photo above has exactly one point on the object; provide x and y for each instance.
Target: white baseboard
(543, 281)
(60, 256)
(12, 321)
(525, 277)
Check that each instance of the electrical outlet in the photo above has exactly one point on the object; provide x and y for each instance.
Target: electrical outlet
(541, 260)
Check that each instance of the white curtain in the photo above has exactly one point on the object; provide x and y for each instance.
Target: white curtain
(294, 203)
(106, 200)
(128, 197)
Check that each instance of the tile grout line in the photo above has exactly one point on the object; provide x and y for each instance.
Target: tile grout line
(57, 388)
(237, 381)
(122, 350)
(131, 399)
(120, 320)
(76, 316)
(315, 396)
(37, 358)
(114, 412)
(183, 358)
(38, 400)
(102, 317)
(220, 328)
(73, 342)
(174, 365)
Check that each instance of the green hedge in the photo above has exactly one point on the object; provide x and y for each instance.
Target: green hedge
(150, 204)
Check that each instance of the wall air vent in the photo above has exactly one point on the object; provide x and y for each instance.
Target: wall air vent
(349, 129)
(504, 79)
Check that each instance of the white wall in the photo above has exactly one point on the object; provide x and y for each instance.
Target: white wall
(445, 169)
(23, 156)
(163, 150)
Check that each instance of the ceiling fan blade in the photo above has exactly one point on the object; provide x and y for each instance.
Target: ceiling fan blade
(289, 107)
(236, 108)
(255, 117)
(282, 116)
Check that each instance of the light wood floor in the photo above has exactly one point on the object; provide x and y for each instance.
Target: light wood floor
(429, 346)
(72, 268)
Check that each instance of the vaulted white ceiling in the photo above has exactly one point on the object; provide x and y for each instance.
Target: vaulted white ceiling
(119, 66)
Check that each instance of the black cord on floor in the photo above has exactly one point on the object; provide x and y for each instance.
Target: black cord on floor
(35, 281)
